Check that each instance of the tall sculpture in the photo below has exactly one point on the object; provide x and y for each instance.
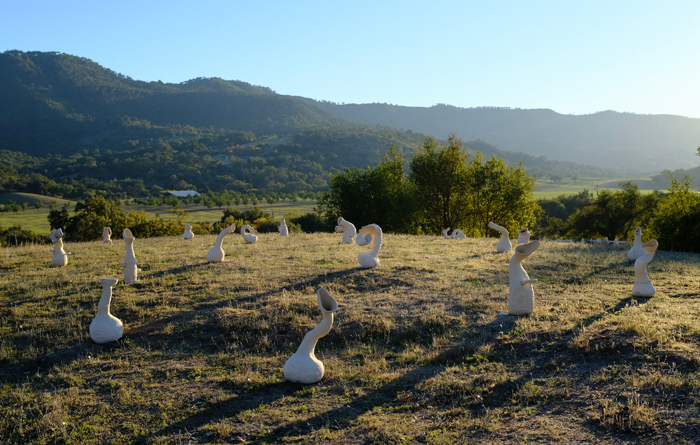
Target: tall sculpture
(303, 366)
(372, 234)
(248, 236)
(445, 233)
(523, 236)
(642, 284)
(60, 257)
(216, 254)
(283, 227)
(637, 250)
(131, 270)
(521, 296)
(105, 327)
(347, 229)
(188, 232)
(504, 243)
(106, 236)
(458, 234)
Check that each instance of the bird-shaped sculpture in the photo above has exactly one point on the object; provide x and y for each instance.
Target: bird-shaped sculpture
(216, 254)
(248, 236)
(458, 234)
(105, 327)
(188, 232)
(637, 250)
(642, 283)
(60, 257)
(521, 296)
(523, 236)
(347, 229)
(107, 236)
(504, 243)
(372, 234)
(131, 269)
(445, 233)
(284, 231)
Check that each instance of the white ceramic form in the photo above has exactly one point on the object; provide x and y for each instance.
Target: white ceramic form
(247, 233)
(445, 233)
(637, 250)
(106, 327)
(504, 243)
(642, 283)
(523, 236)
(60, 257)
(372, 234)
(188, 232)
(131, 270)
(216, 254)
(283, 228)
(458, 234)
(521, 296)
(303, 366)
(106, 236)
(347, 229)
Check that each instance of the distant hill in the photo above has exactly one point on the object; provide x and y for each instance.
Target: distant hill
(645, 143)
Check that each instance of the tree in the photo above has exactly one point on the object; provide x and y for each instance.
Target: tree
(676, 221)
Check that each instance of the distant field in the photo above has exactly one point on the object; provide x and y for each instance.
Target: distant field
(549, 189)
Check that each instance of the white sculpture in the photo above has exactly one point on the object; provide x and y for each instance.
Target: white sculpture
(642, 284)
(303, 366)
(445, 233)
(524, 236)
(458, 234)
(363, 240)
(283, 227)
(106, 236)
(131, 270)
(216, 254)
(249, 237)
(347, 229)
(371, 234)
(504, 243)
(188, 232)
(521, 296)
(106, 327)
(60, 257)
(637, 250)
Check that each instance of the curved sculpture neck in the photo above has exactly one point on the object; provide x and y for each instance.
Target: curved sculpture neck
(222, 234)
(376, 242)
(105, 300)
(129, 257)
(58, 246)
(308, 345)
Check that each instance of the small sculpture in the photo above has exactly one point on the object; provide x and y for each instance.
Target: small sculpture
(445, 233)
(105, 327)
(371, 234)
(216, 254)
(637, 250)
(347, 229)
(504, 243)
(458, 234)
(642, 284)
(131, 270)
(524, 236)
(60, 257)
(248, 237)
(521, 297)
(283, 227)
(188, 232)
(106, 236)
(303, 366)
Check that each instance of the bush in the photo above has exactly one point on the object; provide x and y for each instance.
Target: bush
(16, 235)
(308, 222)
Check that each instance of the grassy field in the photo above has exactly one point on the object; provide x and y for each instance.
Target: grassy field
(550, 189)
(418, 352)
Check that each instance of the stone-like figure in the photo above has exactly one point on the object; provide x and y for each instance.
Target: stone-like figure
(504, 243)
(347, 229)
(284, 231)
(642, 284)
(303, 366)
(248, 236)
(106, 236)
(363, 240)
(458, 234)
(445, 233)
(372, 234)
(637, 250)
(188, 232)
(106, 327)
(521, 296)
(60, 257)
(131, 270)
(523, 236)
(216, 254)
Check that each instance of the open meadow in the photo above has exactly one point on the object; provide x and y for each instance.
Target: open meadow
(417, 354)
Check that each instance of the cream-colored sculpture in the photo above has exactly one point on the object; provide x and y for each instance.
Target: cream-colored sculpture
(283, 227)
(372, 234)
(445, 233)
(521, 297)
(106, 327)
(248, 236)
(504, 243)
(106, 236)
(188, 232)
(642, 284)
(363, 240)
(458, 234)
(347, 229)
(303, 366)
(60, 257)
(637, 250)
(216, 254)
(523, 236)
(131, 270)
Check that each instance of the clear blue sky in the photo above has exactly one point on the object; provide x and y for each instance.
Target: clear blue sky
(575, 57)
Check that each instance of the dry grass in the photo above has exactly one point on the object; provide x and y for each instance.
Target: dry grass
(418, 353)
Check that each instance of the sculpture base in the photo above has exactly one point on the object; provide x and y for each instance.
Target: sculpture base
(303, 369)
(643, 290)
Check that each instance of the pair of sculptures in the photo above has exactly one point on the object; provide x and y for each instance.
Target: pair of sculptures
(370, 234)
(216, 254)
(504, 244)
(457, 234)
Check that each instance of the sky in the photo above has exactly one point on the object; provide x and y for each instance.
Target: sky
(574, 57)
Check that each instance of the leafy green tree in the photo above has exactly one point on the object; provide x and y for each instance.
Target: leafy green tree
(676, 221)
(39, 204)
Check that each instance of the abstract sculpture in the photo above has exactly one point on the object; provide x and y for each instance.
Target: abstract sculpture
(363, 240)
(303, 366)
(106, 236)
(458, 234)
(523, 236)
(106, 327)
(347, 229)
(504, 243)
(637, 250)
(248, 237)
(283, 227)
(216, 254)
(60, 257)
(445, 233)
(642, 284)
(521, 297)
(188, 232)
(131, 270)
(371, 234)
